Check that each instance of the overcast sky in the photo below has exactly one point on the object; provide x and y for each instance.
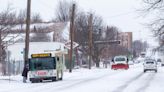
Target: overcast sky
(119, 13)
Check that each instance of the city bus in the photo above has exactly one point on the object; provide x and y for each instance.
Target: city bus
(45, 66)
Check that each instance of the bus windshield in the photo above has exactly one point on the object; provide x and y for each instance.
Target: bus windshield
(42, 63)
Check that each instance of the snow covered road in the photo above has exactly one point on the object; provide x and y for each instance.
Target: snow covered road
(94, 80)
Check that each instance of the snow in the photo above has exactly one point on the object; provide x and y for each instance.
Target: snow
(51, 27)
(16, 50)
(65, 33)
(94, 80)
(51, 36)
(37, 25)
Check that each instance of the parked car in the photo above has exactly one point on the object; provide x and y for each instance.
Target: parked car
(130, 62)
(150, 65)
(159, 62)
(139, 60)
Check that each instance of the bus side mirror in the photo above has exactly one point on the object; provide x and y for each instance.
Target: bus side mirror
(57, 58)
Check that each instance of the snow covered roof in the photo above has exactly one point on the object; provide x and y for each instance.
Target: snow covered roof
(16, 50)
(55, 31)
(39, 27)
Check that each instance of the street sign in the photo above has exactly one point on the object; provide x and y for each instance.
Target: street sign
(108, 42)
(68, 45)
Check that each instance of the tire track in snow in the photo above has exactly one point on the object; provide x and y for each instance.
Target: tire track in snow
(147, 83)
(34, 86)
(24, 87)
(58, 85)
(81, 81)
(65, 87)
(122, 87)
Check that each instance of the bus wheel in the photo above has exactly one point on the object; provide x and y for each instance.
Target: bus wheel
(61, 78)
(40, 80)
(33, 81)
(155, 71)
(54, 79)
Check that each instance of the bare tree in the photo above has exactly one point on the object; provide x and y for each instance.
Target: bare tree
(21, 17)
(36, 18)
(157, 26)
(82, 33)
(63, 11)
(111, 33)
(7, 21)
(153, 4)
(139, 47)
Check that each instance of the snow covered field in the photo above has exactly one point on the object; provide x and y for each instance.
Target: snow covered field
(94, 80)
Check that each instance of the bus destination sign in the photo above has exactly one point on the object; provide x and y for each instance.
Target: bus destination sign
(41, 55)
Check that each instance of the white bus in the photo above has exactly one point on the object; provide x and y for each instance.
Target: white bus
(46, 66)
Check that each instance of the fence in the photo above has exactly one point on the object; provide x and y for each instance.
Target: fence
(12, 67)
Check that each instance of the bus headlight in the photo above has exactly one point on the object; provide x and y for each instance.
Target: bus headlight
(31, 74)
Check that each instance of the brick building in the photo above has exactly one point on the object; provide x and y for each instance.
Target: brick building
(126, 39)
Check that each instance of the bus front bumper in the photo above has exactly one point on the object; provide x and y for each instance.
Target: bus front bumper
(42, 78)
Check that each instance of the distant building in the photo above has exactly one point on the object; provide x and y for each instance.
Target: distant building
(126, 39)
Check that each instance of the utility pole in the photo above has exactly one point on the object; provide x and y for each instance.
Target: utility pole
(90, 38)
(71, 34)
(27, 31)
